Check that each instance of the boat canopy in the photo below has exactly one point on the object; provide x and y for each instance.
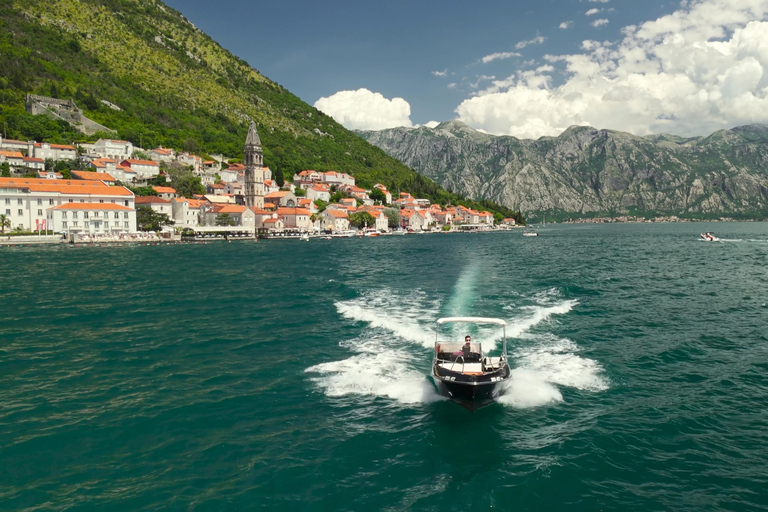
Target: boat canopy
(471, 319)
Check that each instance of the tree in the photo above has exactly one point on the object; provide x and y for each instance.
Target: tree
(377, 195)
(320, 205)
(5, 222)
(299, 192)
(5, 170)
(361, 219)
(149, 220)
(393, 217)
(336, 197)
(223, 219)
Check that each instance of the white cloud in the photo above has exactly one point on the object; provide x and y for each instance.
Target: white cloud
(451, 85)
(366, 110)
(699, 69)
(565, 25)
(499, 56)
(535, 40)
(592, 11)
(431, 124)
(440, 73)
(600, 22)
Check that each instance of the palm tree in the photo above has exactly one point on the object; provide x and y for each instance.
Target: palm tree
(5, 222)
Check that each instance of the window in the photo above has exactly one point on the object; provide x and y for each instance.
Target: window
(113, 201)
(63, 215)
(126, 202)
(39, 202)
(64, 224)
(70, 200)
(74, 215)
(82, 200)
(87, 224)
(106, 225)
(50, 202)
(7, 211)
(74, 224)
(85, 215)
(7, 200)
(101, 200)
(21, 212)
(117, 215)
(126, 225)
(19, 201)
(125, 215)
(39, 213)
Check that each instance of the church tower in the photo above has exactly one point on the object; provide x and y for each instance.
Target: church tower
(253, 160)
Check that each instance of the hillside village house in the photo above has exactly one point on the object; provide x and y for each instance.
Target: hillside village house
(117, 171)
(509, 221)
(161, 154)
(230, 173)
(13, 145)
(270, 186)
(165, 192)
(115, 149)
(50, 175)
(27, 203)
(191, 160)
(281, 198)
(334, 220)
(93, 176)
(295, 217)
(158, 204)
(144, 169)
(46, 150)
(20, 164)
(238, 215)
(186, 212)
(387, 194)
(319, 192)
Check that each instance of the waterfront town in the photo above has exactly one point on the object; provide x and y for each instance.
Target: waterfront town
(241, 198)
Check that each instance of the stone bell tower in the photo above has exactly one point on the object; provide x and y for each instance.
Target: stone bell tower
(253, 161)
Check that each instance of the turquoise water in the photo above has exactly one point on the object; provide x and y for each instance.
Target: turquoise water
(284, 375)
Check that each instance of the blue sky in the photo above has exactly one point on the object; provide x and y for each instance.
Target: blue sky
(525, 68)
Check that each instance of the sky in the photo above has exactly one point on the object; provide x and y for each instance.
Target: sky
(526, 68)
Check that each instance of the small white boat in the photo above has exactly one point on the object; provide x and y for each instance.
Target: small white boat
(529, 232)
(709, 237)
(305, 238)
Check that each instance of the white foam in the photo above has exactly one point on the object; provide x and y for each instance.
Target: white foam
(375, 375)
(527, 389)
(556, 360)
(379, 316)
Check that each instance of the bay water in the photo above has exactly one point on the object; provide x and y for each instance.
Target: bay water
(286, 375)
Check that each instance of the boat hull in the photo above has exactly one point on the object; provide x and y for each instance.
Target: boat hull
(471, 392)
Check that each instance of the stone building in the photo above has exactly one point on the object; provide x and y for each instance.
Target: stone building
(253, 159)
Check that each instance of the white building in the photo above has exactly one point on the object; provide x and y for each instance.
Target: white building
(115, 149)
(46, 150)
(161, 154)
(27, 201)
(91, 218)
(158, 204)
(186, 212)
(320, 192)
(144, 169)
(335, 220)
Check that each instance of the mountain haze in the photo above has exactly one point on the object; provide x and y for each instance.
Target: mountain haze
(585, 171)
(174, 86)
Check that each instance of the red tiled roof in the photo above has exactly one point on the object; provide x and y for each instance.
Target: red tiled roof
(87, 175)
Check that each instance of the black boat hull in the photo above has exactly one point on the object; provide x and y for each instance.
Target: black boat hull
(471, 392)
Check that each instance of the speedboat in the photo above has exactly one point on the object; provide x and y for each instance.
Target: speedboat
(463, 372)
(529, 232)
(709, 237)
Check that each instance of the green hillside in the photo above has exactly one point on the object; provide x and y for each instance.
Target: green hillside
(176, 87)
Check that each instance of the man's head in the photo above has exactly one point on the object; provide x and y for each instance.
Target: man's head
(467, 339)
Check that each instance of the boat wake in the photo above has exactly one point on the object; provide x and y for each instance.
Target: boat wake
(392, 355)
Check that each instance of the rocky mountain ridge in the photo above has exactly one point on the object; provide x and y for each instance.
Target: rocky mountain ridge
(586, 171)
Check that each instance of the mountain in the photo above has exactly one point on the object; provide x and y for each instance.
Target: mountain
(585, 171)
(142, 69)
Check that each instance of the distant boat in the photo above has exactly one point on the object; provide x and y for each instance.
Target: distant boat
(529, 232)
(709, 237)
(463, 373)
